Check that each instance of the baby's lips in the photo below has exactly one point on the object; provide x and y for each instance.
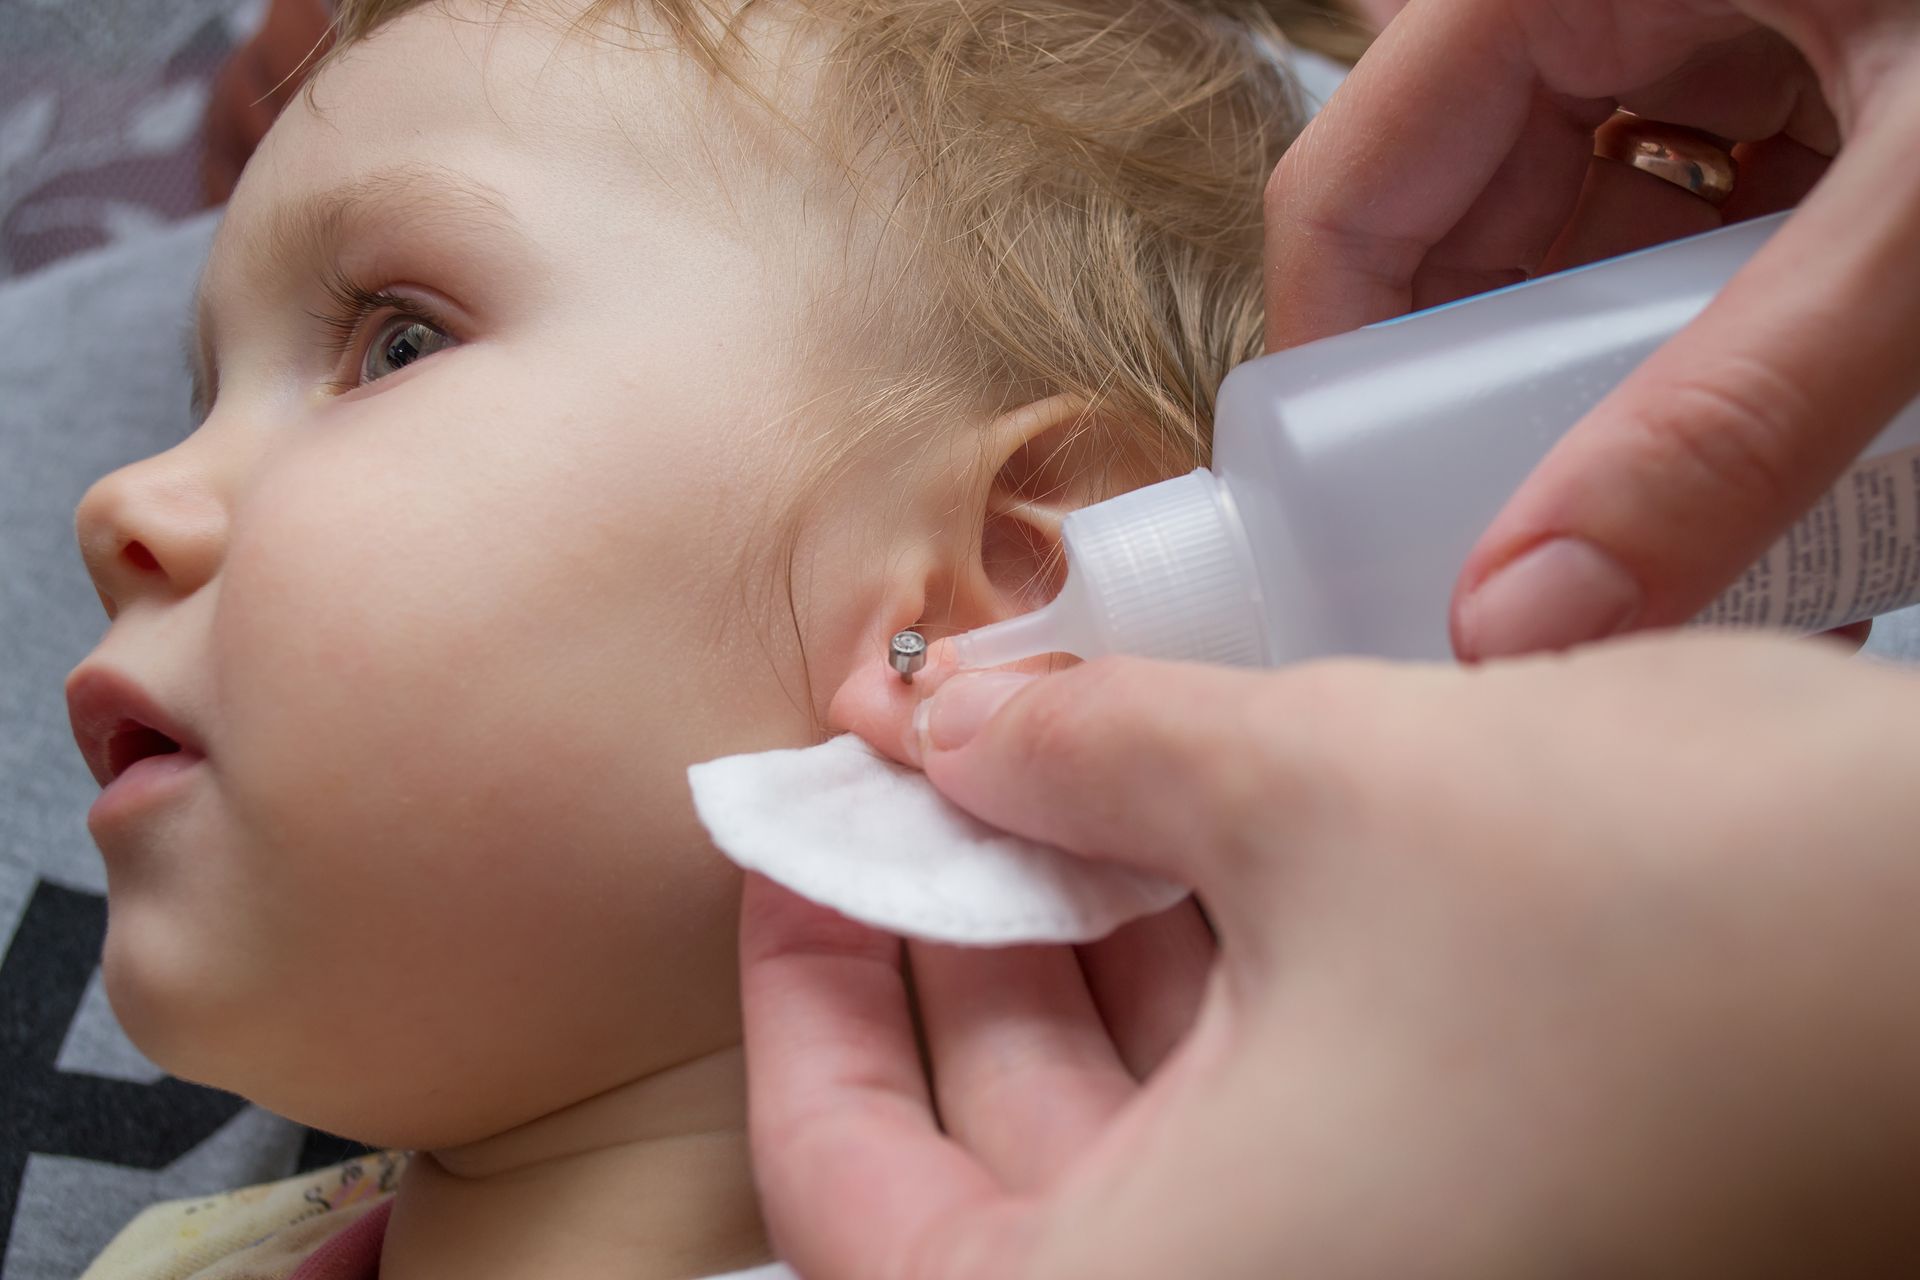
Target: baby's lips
(102, 703)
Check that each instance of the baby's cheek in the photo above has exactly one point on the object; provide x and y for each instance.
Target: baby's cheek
(538, 936)
(464, 846)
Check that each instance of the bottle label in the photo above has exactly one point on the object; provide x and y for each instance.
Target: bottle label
(1854, 556)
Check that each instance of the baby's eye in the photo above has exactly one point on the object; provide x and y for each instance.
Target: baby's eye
(397, 343)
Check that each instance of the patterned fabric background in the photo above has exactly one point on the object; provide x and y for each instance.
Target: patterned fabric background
(100, 110)
(100, 231)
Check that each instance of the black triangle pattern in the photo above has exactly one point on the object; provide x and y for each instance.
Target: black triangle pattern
(43, 976)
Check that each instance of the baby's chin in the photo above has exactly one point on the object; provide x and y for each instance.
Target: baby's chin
(221, 1020)
(172, 1005)
(186, 1009)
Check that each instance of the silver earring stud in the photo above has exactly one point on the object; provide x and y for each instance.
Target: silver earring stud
(907, 654)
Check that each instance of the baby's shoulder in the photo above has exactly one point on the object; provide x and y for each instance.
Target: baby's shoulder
(256, 1233)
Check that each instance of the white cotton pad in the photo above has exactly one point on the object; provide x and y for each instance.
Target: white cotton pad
(843, 826)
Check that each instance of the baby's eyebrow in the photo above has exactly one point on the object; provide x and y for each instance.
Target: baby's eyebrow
(307, 230)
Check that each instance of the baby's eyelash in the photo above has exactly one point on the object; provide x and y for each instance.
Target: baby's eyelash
(351, 303)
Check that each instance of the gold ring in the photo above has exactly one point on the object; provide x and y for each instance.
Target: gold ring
(1687, 158)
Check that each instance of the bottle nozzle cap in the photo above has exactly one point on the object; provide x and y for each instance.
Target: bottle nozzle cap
(1161, 572)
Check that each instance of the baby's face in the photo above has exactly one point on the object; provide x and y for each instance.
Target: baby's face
(452, 629)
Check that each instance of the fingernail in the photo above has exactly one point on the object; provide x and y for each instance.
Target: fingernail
(1560, 593)
(953, 715)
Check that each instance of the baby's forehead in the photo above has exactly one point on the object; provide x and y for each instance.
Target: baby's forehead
(485, 124)
(620, 78)
(517, 164)
(518, 73)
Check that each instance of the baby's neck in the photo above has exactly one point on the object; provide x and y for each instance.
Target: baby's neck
(647, 1180)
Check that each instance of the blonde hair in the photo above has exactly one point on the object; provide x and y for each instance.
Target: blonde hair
(1083, 184)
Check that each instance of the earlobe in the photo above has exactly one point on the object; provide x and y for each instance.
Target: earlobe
(870, 696)
(878, 705)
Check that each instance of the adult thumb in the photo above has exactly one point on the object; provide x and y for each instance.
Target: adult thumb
(1681, 478)
(1171, 768)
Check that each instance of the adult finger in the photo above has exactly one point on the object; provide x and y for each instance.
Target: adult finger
(1622, 209)
(1388, 167)
(1683, 476)
(1758, 94)
(1024, 1072)
(1505, 234)
(1774, 173)
(857, 1180)
(1193, 772)
(1455, 99)
(1147, 979)
(875, 703)
(1756, 85)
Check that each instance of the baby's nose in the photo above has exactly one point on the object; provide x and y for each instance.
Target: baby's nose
(151, 526)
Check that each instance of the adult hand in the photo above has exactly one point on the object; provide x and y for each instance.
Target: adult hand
(258, 80)
(1494, 999)
(1458, 157)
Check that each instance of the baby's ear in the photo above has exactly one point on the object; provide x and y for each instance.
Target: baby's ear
(1051, 457)
(1037, 465)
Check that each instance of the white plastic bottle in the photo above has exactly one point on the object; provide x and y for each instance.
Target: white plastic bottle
(1353, 475)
